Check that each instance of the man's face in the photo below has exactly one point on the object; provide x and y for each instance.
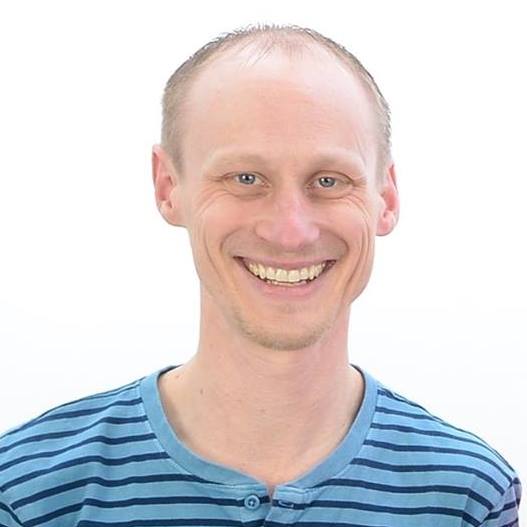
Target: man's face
(280, 161)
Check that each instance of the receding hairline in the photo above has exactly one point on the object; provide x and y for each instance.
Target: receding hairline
(292, 41)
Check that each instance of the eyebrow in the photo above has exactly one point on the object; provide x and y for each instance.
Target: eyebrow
(340, 155)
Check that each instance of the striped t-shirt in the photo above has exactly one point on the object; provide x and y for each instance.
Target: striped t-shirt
(113, 459)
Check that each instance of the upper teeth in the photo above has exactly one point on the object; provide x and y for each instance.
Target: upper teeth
(282, 275)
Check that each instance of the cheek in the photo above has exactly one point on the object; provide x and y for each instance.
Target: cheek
(355, 220)
(359, 238)
(215, 216)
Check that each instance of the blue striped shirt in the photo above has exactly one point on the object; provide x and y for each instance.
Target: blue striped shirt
(113, 459)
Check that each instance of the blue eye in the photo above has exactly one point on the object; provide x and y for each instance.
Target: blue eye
(327, 182)
(246, 178)
(250, 179)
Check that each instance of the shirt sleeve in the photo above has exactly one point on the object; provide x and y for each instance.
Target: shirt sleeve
(7, 517)
(506, 511)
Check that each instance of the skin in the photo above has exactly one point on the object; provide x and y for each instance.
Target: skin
(270, 391)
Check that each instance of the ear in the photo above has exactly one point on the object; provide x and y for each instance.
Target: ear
(167, 187)
(388, 214)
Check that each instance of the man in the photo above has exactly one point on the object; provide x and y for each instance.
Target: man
(275, 157)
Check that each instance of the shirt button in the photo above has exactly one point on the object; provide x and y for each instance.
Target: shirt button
(252, 502)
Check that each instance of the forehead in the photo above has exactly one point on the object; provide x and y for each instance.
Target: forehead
(278, 104)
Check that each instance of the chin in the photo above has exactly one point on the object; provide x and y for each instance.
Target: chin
(277, 339)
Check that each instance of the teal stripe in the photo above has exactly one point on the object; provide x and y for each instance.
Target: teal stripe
(112, 459)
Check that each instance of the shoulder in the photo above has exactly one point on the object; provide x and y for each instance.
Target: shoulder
(33, 454)
(416, 445)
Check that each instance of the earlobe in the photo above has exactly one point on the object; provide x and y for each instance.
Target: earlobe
(167, 189)
(389, 210)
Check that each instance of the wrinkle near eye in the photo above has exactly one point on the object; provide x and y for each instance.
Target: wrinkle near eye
(213, 188)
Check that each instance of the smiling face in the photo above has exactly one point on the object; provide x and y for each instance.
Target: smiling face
(279, 181)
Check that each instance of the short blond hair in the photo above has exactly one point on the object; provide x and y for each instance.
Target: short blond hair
(289, 39)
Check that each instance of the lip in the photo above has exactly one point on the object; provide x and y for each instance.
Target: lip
(278, 292)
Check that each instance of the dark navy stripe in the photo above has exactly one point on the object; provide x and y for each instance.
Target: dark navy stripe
(116, 504)
(427, 468)
(432, 433)
(405, 477)
(320, 524)
(200, 522)
(78, 413)
(109, 393)
(10, 512)
(407, 511)
(83, 460)
(109, 483)
(95, 439)
(391, 411)
(511, 505)
(425, 448)
(232, 502)
(69, 433)
(102, 395)
(496, 514)
(410, 489)
(400, 398)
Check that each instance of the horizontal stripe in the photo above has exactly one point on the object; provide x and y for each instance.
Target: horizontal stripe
(120, 504)
(81, 461)
(427, 468)
(96, 439)
(89, 398)
(406, 511)
(150, 479)
(325, 504)
(198, 522)
(69, 433)
(76, 413)
(112, 459)
(478, 439)
(5, 508)
(425, 432)
(407, 489)
(436, 449)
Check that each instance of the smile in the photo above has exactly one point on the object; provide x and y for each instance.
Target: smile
(286, 277)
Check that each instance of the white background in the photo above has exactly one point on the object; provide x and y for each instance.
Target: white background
(97, 290)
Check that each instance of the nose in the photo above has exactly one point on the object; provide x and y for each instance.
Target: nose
(289, 223)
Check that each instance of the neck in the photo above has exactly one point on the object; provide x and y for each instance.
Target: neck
(272, 414)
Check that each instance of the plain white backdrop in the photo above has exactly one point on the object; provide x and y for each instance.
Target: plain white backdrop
(96, 290)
